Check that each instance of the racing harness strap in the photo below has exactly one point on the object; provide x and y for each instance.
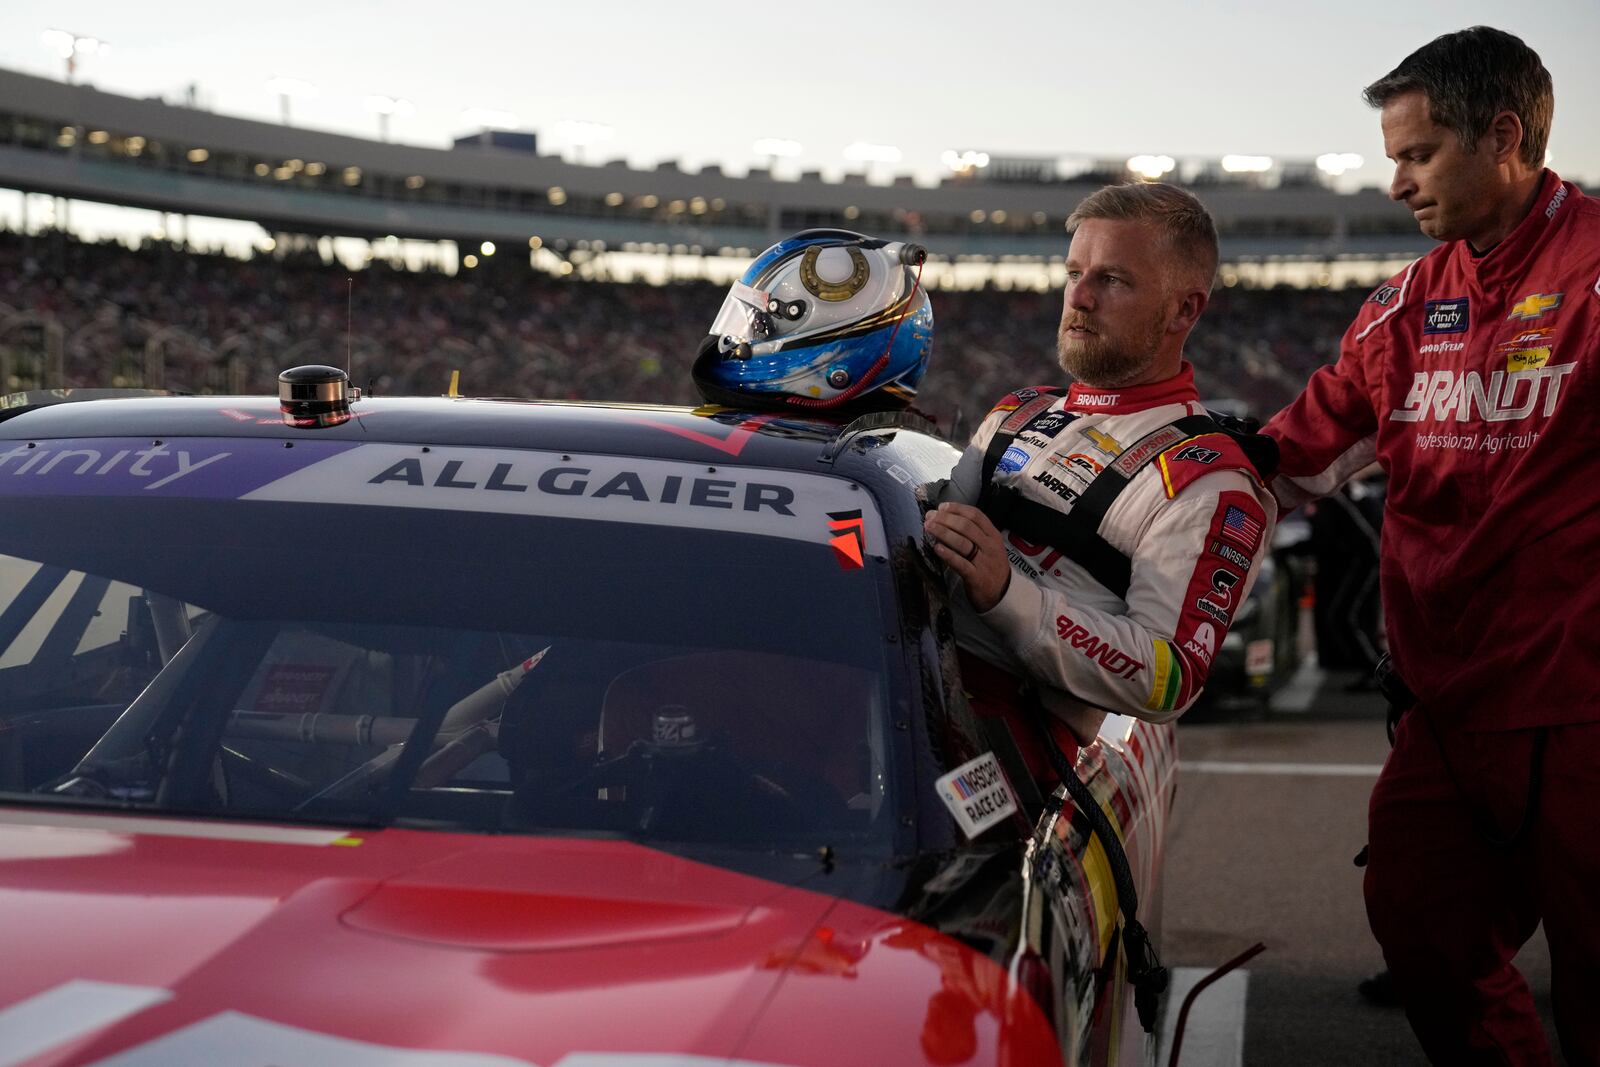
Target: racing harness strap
(1076, 533)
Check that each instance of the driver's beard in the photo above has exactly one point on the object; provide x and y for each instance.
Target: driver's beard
(1111, 363)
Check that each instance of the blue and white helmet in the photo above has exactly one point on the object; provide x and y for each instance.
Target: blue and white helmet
(828, 320)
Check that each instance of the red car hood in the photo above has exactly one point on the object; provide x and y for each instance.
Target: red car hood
(161, 942)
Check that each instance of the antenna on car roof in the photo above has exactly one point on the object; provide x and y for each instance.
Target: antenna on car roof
(349, 326)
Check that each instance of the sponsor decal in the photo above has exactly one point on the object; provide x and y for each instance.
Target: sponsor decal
(1521, 359)
(1087, 463)
(600, 488)
(1013, 460)
(1456, 396)
(1104, 442)
(1218, 602)
(1472, 442)
(1435, 347)
(1534, 305)
(155, 466)
(1097, 400)
(577, 481)
(1241, 528)
(1114, 660)
(1146, 448)
(218, 468)
(1197, 454)
(1258, 656)
(1019, 418)
(229, 1038)
(294, 687)
(1203, 644)
(1231, 554)
(1445, 316)
(1538, 336)
(1025, 394)
(848, 537)
(1554, 205)
(1024, 554)
(1056, 486)
(1528, 351)
(977, 794)
(1384, 294)
(1050, 423)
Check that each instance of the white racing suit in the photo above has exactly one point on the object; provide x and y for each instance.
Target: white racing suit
(1194, 523)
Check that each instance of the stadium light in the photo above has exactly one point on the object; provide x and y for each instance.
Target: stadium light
(965, 163)
(775, 146)
(1246, 164)
(773, 149)
(580, 134)
(866, 152)
(69, 46)
(1151, 168)
(288, 88)
(491, 118)
(1336, 163)
(386, 106)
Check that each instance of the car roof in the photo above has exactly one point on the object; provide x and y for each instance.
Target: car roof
(705, 434)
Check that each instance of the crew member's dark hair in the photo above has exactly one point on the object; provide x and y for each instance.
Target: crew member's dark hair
(1471, 76)
(1176, 213)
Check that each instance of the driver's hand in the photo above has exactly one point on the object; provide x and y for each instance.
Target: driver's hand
(968, 543)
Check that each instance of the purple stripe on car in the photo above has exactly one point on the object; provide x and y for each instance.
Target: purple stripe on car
(215, 468)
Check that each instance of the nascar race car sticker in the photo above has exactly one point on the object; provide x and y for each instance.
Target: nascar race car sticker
(92, 823)
(777, 503)
(977, 794)
(731, 445)
(846, 536)
(189, 467)
(234, 1039)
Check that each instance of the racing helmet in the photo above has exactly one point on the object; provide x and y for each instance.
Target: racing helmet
(827, 320)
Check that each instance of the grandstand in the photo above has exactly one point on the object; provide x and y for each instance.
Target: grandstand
(74, 141)
(80, 313)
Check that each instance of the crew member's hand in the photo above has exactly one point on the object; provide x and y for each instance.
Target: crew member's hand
(967, 542)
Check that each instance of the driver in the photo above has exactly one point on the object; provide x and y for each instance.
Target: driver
(1101, 538)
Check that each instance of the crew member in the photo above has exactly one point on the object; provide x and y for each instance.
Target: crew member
(1471, 378)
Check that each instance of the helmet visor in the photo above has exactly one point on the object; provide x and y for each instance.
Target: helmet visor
(744, 319)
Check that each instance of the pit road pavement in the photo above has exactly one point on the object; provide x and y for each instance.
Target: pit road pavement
(1268, 816)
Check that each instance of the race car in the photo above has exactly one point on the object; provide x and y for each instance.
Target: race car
(442, 732)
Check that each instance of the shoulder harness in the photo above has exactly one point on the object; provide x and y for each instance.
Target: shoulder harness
(1076, 533)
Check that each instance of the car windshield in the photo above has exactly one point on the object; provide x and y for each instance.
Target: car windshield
(339, 648)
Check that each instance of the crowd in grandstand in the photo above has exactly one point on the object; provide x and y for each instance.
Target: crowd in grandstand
(217, 324)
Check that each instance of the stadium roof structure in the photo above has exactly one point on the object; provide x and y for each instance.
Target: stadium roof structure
(78, 142)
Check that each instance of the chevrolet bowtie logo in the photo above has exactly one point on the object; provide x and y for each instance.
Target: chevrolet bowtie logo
(1535, 304)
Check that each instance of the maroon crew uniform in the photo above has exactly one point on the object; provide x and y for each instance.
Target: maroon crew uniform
(1474, 381)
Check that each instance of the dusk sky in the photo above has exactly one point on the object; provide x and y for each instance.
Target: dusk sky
(701, 81)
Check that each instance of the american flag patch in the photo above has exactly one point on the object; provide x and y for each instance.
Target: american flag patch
(1240, 527)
